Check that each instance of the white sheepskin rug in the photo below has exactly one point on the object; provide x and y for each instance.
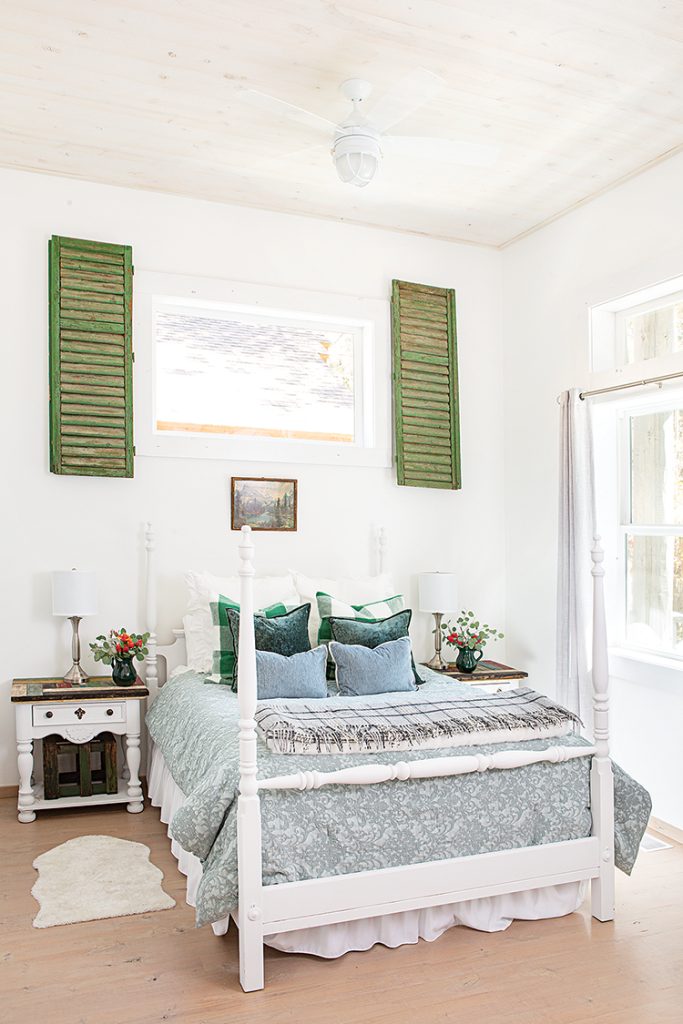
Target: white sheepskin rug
(93, 877)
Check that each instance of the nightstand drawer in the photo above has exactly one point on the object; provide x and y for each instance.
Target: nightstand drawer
(75, 713)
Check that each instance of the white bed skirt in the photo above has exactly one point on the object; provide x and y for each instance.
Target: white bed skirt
(487, 914)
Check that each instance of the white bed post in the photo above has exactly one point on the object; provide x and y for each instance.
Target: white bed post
(151, 665)
(602, 783)
(249, 913)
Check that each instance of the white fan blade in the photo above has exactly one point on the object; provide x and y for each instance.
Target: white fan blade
(280, 108)
(468, 154)
(311, 153)
(414, 91)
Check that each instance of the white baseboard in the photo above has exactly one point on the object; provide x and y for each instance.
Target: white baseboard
(665, 829)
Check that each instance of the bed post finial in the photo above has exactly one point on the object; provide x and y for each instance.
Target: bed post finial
(249, 913)
(151, 664)
(602, 783)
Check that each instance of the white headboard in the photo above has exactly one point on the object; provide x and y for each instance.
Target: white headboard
(163, 659)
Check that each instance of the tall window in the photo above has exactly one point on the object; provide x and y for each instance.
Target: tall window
(652, 527)
(265, 374)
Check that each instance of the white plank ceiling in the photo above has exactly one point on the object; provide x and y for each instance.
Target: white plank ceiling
(145, 93)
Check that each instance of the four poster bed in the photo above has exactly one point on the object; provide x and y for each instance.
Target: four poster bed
(289, 842)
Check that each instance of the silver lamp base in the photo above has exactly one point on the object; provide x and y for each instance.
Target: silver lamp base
(436, 663)
(76, 676)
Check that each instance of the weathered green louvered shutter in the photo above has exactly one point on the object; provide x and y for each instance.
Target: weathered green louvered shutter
(91, 379)
(425, 372)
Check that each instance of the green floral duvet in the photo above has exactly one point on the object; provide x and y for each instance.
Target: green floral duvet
(342, 829)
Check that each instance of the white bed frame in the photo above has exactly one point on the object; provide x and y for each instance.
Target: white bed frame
(265, 910)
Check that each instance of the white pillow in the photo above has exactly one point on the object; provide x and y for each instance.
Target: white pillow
(202, 586)
(352, 589)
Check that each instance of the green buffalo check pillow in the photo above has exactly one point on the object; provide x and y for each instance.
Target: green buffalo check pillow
(223, 663)
(372, 610)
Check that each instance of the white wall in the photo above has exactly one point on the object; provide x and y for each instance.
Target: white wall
(619, 243)
(50, 522)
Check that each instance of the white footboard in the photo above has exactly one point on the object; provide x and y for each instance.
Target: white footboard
(287, 907)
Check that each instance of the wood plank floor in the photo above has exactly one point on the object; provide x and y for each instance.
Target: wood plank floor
(158, 967)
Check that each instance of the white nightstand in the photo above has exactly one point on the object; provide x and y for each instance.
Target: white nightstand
(47, 707)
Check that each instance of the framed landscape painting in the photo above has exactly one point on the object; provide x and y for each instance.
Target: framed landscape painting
(263, 503)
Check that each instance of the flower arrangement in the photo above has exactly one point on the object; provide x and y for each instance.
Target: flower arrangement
(121, 646)
(469, 633)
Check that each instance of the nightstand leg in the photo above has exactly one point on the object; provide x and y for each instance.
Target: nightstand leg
(25, 764)
(133, 760)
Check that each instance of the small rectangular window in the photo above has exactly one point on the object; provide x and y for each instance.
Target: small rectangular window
(259, 375)
(247, 372)
(637, 328)
(650, 331)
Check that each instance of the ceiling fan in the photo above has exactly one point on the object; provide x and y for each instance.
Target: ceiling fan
(360, 141)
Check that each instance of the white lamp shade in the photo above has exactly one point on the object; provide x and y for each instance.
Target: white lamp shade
(74, 592)
(437, 592)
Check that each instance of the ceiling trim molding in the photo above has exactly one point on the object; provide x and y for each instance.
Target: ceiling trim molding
(355, 222)
(284, 211)
(662, 158)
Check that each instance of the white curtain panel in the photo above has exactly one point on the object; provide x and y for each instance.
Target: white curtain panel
(576, 531)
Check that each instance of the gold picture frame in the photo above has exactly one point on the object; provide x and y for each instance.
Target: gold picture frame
(264, 503)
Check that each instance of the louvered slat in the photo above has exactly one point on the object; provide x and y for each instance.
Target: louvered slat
(91, 392)
(425, 377)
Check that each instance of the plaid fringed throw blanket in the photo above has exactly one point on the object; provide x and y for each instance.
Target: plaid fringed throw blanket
(420, 721)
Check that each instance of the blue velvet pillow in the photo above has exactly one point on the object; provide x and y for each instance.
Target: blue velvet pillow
(364, 670)
(299, 675)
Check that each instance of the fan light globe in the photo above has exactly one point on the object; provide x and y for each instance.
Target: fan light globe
(356, 156)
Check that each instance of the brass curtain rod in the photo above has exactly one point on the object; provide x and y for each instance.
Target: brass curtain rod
(633, 384)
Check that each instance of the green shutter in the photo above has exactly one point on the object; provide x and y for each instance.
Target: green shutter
(425, 374)
(91, 374)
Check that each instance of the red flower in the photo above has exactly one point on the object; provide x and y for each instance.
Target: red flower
(118, 648)
(139, 642)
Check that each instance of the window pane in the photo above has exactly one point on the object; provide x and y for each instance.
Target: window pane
(654, 587)
(258, 377)
(655, 333)
(657, 468)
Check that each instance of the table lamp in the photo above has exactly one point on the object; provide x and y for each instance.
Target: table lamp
(437, 593)
(74, 594)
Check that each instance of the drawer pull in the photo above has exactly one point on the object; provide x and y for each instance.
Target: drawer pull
(49, 714)
(79, 712)
(110, 711)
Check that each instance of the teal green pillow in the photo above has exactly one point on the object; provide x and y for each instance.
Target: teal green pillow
(373, 632)
(223, 665)
(283, 633)
(328, 605)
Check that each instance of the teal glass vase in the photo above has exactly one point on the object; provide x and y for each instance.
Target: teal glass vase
(467, 659)
(124, 672)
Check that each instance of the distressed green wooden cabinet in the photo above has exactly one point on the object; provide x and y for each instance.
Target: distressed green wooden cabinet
(425, 384)
(91, 356)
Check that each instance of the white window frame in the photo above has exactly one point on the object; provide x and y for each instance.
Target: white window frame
(607, 328)
(668, 400)
(368, 318)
